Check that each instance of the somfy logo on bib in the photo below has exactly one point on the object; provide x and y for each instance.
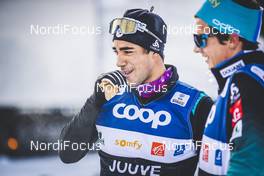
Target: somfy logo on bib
(132, 112)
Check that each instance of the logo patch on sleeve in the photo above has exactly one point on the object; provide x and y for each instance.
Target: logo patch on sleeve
(237, 131)
(258, 71)
(236, 112)
(235, 95)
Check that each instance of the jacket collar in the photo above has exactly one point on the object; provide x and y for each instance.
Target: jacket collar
(174, 78)
(228, 67)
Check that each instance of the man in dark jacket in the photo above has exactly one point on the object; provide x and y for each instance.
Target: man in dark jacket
(227, 33)
(150, 127)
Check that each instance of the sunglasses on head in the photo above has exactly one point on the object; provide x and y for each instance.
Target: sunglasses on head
(200, 40)
(130, 26)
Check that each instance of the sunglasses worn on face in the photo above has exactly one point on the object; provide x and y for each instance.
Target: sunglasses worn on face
(200, 40)
(130, 26)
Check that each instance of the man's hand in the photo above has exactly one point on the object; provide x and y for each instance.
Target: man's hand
(107, 86)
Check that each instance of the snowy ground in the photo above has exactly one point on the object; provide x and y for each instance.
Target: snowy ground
(49, 166)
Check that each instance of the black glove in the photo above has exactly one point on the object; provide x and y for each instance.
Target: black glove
(114, 78)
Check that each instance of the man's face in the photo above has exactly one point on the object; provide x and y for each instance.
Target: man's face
(214, 52)
(135, 63)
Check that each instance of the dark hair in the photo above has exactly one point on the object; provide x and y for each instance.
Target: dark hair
(252, 4)
(146, 51)
(246, 45)
(261, 3)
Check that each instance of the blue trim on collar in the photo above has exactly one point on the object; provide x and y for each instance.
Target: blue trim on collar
(219, 65)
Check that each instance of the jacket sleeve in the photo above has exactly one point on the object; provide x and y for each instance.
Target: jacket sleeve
(199, 115)
(246, 125)
(81, 129)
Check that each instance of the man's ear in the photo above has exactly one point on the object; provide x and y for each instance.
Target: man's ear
(157, 58)
(234, 41)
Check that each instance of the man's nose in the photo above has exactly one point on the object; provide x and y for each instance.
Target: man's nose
(196, 49)
(120, 61)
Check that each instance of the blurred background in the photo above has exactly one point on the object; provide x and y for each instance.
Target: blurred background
(51, 54)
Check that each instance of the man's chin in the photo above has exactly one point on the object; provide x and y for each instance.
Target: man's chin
(210, 65)
(132, 83)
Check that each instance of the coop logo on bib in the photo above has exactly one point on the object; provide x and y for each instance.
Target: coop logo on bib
(132, 112)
